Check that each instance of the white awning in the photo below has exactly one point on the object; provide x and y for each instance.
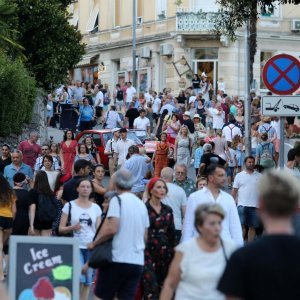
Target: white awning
(92, 19)
(74, 20)
(87, 59)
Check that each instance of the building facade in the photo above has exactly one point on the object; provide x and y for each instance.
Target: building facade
(174, 41)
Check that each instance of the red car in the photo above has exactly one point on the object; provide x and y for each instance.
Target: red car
(101, 136)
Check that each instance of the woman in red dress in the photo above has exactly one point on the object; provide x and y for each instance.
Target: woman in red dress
(160, 156)
(68, 152)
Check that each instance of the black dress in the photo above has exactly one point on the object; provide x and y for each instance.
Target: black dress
(21, 221)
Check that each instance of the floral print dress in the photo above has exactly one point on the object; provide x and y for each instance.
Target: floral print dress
(159, 250)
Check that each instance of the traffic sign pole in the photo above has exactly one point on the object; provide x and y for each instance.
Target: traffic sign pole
(281, 75)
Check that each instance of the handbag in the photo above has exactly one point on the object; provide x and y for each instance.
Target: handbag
(101, 256)
(69, 234)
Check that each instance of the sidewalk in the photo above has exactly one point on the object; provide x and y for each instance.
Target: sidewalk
(57, 134)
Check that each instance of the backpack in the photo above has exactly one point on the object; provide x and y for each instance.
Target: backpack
(120, 95)
(46, 209)
(106, 99)
(266, 159)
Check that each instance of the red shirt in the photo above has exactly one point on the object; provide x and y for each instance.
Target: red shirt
(30, 152)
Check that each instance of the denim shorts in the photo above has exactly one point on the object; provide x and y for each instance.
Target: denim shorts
(248, 216)
(86, 279)
(230, 171)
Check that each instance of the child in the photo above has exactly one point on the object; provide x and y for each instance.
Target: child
(201, 183)
(197, 156)
(231, 164)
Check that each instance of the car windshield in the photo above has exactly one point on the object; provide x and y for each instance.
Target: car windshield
(130, 135)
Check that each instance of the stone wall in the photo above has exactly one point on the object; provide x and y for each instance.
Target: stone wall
(38, 123)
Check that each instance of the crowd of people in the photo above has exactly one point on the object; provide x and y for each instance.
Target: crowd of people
(174, 231)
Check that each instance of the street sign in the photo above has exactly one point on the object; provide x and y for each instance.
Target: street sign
(283, 106)
(281, 74)
(43, 268)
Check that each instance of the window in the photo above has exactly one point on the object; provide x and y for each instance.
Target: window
(161, 9)
(117, 13)
(264, 57)
(271, 11)
(92, 25)
(206, 53)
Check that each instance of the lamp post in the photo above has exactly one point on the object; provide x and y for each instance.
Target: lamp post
(134, 17)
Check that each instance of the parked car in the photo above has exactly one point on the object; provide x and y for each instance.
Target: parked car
(102, 136)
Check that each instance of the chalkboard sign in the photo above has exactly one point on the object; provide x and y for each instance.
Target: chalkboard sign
(43, 268)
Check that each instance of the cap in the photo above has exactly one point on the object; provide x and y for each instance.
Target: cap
(123, 130)
(203, 74)
(187, 113)
(196, 116)
(115, 130)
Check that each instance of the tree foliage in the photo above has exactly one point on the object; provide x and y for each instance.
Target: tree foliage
(18, 92)
(52, 46)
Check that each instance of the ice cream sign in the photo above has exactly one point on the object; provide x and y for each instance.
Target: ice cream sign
(43, 268)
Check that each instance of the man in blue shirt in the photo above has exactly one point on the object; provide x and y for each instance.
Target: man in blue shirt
(17, 166)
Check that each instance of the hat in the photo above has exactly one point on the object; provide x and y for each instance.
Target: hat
(196, 116)
(192, 99)
(115, 130)
(203, 74)
(123, 130)
(187, 113)
(152, 182)
(207, 147)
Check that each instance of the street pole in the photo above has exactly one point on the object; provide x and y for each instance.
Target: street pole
(247, 103)
(134, 17)
(281, 147)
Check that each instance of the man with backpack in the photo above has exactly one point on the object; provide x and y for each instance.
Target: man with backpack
(230, 130)
(266, 127)
(119, 97)
(265, 153)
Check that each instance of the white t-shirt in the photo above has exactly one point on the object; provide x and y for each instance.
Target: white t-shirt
(121, 148)
(141, 123)
(128, 242)
(218, 120)
(52, 176)
(176, 198)
(276, 126)
(247, 188)
(201, 271)
(87, 217)
(156, 105)
(230, 131)
(130, 92)
(99, 99)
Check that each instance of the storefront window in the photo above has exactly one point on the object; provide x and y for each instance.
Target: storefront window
(206, 53)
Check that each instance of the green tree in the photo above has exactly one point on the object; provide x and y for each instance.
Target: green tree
(235, 13)
(52, 46)
(18, 92)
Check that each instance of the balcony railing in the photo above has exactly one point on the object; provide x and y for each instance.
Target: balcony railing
(190, 21)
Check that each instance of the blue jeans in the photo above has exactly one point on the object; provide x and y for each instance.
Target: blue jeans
(86, 279)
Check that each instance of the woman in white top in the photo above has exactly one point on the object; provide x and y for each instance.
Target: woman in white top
(199, 263)
(85, 219)
(51, 174)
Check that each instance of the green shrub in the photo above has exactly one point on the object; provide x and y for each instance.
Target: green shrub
(17, 94)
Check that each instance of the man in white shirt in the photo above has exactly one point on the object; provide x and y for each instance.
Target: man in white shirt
(245, 193)
(231, 226)
(121, 148)
(167, 106)
(127, 222)
(112, 118)
(231, 130)
(148, 96)
(156, 106)
(98, 105)
(176, 199)
(130, 93)
(110, 149)
(217, 115)
(78, 92)
(142, 123)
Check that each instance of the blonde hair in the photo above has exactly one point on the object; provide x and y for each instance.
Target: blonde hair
(206, 209)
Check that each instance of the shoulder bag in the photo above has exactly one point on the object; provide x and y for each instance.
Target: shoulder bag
(69, 234)
(101, 256)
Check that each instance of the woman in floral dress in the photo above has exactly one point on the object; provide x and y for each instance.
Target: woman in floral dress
(68, 152)
(160, 156)
(161, 239)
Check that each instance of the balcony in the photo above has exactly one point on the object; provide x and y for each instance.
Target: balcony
(195, 22)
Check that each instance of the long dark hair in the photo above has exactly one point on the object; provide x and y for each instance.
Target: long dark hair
(65, 135)
(41, 184)
(6, 192)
